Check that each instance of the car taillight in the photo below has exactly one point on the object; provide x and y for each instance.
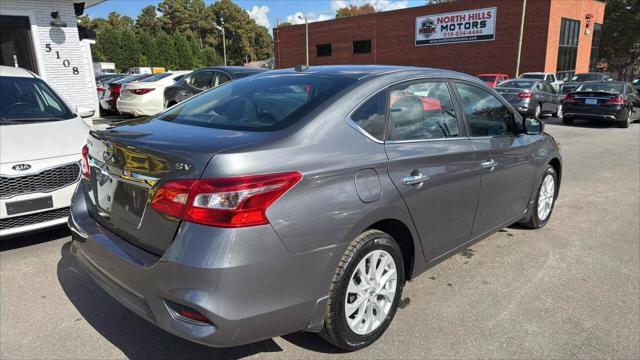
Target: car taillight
(525, 95)
(618, 100)
(231, 202)
(115, 89)
(141, 91)
(86, 172)
(570, 99)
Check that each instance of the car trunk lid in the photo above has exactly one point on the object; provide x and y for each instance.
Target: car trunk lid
(511, 94)
(130, 161)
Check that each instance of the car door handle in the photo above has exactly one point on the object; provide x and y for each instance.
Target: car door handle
(415, 179)
(489, 164)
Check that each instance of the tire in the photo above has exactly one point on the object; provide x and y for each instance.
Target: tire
(538, 218)
(559, 112)
(537, 112)
(625, 124)
(567, 121)
(356, 334)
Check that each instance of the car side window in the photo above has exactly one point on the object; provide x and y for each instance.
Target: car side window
(552, 78)
(422, 111)
(220, 78)
(369, 116)
(485, 114)
(201, 79)
(548, 88)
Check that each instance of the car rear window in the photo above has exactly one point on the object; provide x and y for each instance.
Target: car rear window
(614, 88)
(518, 84)
(156, 77)
(532, 76)
(263, 103)
(587, 77)
(487, 78)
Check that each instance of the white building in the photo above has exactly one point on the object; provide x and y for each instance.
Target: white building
(32, 36)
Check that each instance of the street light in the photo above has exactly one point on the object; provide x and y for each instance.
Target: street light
(306, 35)
(224, 42)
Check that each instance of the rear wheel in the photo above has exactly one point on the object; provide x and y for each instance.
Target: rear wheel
(559, 112)
(364, 292)
(626, 123)
(541, 209)
(538, 111)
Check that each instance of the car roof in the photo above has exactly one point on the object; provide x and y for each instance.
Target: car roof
(15, 72)
(234, 69)
(535, 73)
(362, 71)
(604, 82)
(495, 74)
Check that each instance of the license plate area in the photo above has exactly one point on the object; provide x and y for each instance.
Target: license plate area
(590, 101)
(18, 207)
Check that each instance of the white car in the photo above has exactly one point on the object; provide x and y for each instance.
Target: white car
(146, 97)
(548, 77)
(41, 140)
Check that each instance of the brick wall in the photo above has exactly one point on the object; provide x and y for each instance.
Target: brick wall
(393, 39)
(76, 89)
(575, 10)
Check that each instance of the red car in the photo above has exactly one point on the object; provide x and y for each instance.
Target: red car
(493, 79)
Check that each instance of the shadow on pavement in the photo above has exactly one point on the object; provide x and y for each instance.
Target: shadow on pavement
(36, 237)
(579, 123)
(134, 336)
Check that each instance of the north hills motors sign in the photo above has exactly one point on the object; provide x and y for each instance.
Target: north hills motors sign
(456, 27)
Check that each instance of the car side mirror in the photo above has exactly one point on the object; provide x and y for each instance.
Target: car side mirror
(84, 112)
(532, 126)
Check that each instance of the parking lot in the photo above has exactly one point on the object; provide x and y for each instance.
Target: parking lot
(569, 290)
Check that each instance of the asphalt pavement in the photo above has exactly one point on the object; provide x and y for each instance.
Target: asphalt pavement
(569, 290)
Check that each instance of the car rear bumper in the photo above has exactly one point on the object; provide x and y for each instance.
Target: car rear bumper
(618, 115)
(243, 280)
(140, 106)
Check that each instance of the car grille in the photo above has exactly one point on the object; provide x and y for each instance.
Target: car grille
(30, 219)
(45, 181)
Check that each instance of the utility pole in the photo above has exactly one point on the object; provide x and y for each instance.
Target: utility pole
(524, 8)
(224, 40)
(306, 36)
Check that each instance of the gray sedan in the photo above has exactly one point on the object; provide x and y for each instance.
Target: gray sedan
(532, 97)
(303, 199)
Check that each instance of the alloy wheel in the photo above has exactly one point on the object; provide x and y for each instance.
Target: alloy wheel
(559, 112)
(538, 111)
(546, 197)
(371, 291)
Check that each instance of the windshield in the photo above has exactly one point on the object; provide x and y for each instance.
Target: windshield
(532, 76)
(608, 87)
(487, 78)
(586, 77)
(264, 103)
(156, 77)
(30, 99)
(518, 84)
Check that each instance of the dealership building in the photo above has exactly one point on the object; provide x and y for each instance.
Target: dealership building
(43, 36)
(472, 36)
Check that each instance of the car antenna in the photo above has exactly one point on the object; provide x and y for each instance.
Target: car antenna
(301, 68)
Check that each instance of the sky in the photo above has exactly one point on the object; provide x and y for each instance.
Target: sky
(265, 12)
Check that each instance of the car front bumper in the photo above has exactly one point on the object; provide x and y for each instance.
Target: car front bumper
(244, 280)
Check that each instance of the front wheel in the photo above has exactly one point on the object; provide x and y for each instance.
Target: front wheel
(364, 292)
(540, 211)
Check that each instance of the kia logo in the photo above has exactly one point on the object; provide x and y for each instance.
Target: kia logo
(21, 167)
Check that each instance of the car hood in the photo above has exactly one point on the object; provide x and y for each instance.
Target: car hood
(42, 140)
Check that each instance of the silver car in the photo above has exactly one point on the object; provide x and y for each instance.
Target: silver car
(303, 199)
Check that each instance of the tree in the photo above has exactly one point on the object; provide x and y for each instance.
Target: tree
(353, 10)
(148, 21)
(620, 41)
(285, 23)
(119, 22)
